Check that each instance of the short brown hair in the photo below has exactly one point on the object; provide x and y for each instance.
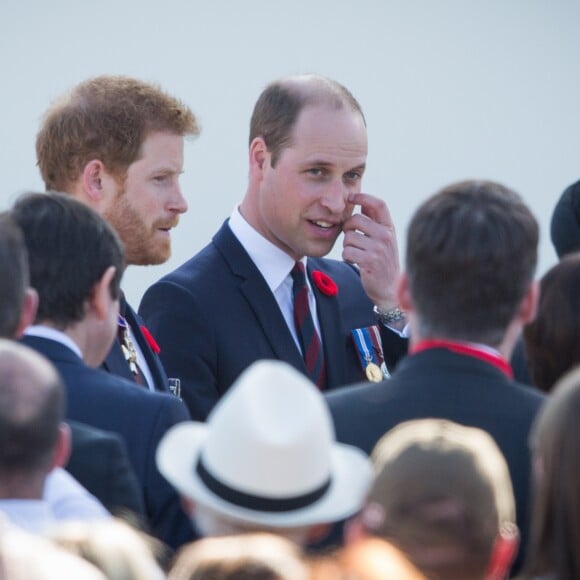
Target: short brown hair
(471, 256)
(105, 118)
(552, 340)
(69, 246)
(277, 108)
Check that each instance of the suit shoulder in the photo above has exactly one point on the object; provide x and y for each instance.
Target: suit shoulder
(357, 394)
(196, 278)
(336, 268)
(530, 394)
(83, 433)
(120, 388)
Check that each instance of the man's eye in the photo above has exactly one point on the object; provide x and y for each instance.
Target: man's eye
(352, 175)
(316, 171)
(161, 178)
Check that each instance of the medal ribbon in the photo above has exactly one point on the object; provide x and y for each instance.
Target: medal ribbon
(368, 346)
(468, 349)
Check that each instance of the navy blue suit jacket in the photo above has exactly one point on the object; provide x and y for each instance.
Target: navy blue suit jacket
(99, 461)
(140, 416)
(115, 362)
(439, 383)
(215, 315)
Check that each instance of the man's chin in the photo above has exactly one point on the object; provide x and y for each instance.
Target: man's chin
(151, 258)
(319, 250)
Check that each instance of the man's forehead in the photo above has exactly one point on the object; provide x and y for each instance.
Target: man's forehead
(322, 130)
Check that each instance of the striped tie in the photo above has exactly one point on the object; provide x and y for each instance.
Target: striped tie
(307, 335)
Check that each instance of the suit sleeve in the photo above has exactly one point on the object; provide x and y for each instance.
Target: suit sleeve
(167, 518)
(394, 346)
(124, 489)
(187, 342)
(99, 461)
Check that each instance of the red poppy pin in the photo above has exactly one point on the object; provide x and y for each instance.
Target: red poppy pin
(150, 340)
(324, 283)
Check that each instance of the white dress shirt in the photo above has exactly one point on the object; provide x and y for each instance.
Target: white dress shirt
(64, 498)
(275, 266)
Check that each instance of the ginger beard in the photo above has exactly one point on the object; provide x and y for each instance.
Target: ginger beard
(145, 243)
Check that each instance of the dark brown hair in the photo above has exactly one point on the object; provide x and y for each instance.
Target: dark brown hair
(552, 340)
(69, 249)
(471, 256)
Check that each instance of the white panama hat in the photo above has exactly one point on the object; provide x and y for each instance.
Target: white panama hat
(267, 454)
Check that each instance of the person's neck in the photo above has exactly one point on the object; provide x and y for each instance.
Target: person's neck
(504, 349)
(22, 487)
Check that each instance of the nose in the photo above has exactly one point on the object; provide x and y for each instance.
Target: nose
(177, 202)
(334, 198)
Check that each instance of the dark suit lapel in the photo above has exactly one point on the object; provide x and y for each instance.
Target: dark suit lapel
(330, 327)
(116, 364)
(259, 298)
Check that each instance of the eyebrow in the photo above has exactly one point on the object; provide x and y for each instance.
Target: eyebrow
(321, 163)
(360, 167)
(168, 170)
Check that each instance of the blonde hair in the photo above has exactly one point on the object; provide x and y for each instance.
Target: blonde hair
(243, 557)
(25, 556)
(118, 550)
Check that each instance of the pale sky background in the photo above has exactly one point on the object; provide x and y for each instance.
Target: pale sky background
(451, 89)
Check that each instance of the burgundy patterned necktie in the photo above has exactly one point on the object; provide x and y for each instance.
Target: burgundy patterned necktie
(307, 335)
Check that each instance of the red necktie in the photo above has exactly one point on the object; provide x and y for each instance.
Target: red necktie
(307, 335)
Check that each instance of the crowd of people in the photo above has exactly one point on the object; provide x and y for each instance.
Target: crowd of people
(267, 412)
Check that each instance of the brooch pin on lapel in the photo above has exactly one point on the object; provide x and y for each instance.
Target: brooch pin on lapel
(324, 283)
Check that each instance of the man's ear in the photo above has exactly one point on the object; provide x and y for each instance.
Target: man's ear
(101, 297)
(354, 530)
(318, 532)
(98, 185)
(63, 446)
(503, 553)
(259, 156)
(188, 505)
(404, 293)
(28, 313)
(529, 304)
(92, 179)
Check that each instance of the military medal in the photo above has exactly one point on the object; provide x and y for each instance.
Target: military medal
(127, 347)
(374, 373)
(370, 353)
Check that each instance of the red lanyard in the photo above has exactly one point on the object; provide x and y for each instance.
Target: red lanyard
(467, 349)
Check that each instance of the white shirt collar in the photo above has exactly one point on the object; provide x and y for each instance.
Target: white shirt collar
(274, 264)
(53, 334)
